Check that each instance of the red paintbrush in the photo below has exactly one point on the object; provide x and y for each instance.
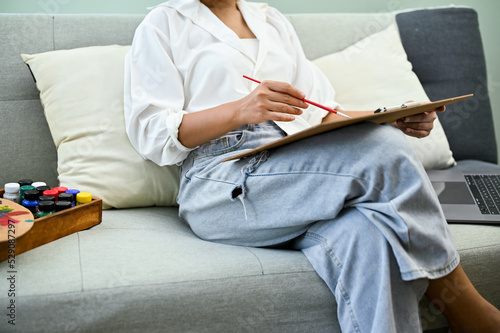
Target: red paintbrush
(309, 102)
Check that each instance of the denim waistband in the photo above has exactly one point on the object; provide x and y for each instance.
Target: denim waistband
(242, 138)
(252, 127)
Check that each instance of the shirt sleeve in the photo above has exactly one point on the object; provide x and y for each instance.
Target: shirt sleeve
(153, 96)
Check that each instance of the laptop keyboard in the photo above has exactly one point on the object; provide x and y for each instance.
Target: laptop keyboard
(486, 192)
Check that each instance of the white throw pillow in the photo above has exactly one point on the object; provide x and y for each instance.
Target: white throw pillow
(82, 94)
(375, 72)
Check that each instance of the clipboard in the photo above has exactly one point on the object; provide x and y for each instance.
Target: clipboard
(357, 117)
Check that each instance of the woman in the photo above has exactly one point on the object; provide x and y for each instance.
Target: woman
(356, 201)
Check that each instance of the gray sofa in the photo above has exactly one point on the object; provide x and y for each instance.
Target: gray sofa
(143, 270)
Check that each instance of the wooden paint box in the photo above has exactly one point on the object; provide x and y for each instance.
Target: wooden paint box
(52, 227)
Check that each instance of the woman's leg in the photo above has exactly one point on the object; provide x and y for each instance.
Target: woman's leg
(356, 262)
(367, 171)
(461, 304)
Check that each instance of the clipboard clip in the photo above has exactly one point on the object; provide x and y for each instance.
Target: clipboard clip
(396, 107)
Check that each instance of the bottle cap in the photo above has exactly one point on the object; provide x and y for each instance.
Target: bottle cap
(46, 206)
(66, 197)
(36, 184)
(74, 192)
(41, 189)
(60, 189)
(62, 205)
(23, 182)
(25, 188)
(12, 187)
(31, 195)
(47, 198)
(53, 193)
(83, 197)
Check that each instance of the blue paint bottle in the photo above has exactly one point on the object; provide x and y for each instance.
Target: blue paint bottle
(74, 192)
(30, 201)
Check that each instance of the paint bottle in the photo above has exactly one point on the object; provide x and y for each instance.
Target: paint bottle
(65, 197)
(60, 189)
(62, 205)
(23, 189)
(30, 201)
(47, 198)
(45, 208)
(23, 182)
(12, 192)
(74, 192)
(83, 198)
(42, 188)
(37, 184)
(52, 192)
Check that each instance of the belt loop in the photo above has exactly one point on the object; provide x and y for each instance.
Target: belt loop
(251, 127)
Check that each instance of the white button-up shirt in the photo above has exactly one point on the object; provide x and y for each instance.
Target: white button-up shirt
(184, 59)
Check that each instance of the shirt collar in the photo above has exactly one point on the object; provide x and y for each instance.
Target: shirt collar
(254, 14)
(190, 8)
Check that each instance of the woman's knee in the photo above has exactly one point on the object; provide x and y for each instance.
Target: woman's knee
(387, 145)
(385, 138)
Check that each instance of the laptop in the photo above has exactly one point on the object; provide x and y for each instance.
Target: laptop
(468, 197)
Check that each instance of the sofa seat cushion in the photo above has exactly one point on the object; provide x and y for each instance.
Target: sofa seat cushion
(146, 264)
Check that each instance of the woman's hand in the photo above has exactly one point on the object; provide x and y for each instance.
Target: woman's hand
(419, 125)
(271, 100)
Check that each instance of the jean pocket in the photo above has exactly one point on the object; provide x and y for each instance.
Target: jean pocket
(225, 144)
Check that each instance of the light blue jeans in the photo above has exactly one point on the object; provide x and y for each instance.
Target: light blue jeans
(356, 201)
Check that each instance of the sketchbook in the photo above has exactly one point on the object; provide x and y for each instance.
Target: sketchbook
(357, 117)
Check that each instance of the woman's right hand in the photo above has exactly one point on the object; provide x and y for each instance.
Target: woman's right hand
(271, 100)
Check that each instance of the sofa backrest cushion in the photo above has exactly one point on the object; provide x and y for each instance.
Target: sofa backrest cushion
(452, 33)
(445, 48)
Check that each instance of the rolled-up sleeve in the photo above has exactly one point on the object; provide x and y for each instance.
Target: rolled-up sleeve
(153, 97)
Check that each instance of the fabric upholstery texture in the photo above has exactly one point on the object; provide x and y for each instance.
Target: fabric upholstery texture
(94, 152)
(457, 46)
(142, 269)
(106, 274)
(375, 72)
(21, 112)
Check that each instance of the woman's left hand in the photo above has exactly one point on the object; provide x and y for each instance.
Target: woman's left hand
(419, 125)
